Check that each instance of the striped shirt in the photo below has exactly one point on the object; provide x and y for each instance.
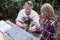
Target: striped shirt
(49, 30)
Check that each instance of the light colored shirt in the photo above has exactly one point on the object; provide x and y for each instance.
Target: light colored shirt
(22, 16)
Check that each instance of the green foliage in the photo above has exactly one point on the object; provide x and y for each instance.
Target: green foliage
(28, 21)
(10, 8)
(58, 23)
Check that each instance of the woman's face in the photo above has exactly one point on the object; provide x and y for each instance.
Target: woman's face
(28, 10)
(45, 12)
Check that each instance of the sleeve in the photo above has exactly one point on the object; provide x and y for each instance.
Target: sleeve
(36, 19)
(20, 16)
(51, 27)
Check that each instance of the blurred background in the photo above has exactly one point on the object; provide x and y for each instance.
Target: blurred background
(10, 8)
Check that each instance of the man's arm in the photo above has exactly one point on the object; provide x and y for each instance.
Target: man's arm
(36, 20)
(20, 24)
(19, 19)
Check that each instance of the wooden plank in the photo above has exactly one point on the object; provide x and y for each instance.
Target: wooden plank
(4, 26)
(21, 31)
(7, 37)
(12, 32)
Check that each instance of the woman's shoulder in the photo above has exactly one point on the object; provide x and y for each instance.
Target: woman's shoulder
(50, 21)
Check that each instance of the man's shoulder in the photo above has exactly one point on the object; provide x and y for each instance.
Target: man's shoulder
(22, 10)
(34, 12)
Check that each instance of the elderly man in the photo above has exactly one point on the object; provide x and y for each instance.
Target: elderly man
(26, 14)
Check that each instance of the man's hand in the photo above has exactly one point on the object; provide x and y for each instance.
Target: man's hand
(32, 29)
(24, 25)
(21, 24)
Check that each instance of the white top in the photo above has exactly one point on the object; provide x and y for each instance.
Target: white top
(22, 16)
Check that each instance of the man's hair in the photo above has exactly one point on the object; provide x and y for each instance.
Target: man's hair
(29, 3)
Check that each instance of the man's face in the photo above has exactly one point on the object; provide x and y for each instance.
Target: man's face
(28, 10)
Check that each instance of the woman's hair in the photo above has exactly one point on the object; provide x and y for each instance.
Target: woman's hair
(47, 11)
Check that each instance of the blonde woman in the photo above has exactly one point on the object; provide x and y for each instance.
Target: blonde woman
(49, 22)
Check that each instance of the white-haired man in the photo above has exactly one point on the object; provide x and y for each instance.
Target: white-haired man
(26, 14)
